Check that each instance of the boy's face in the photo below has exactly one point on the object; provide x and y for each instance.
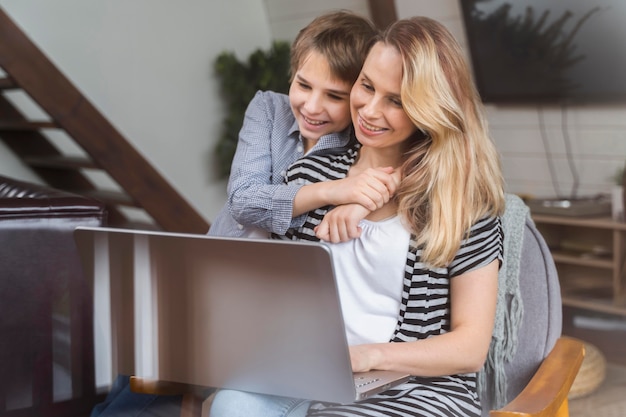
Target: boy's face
(319, 101)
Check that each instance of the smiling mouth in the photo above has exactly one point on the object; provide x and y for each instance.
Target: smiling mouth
(314, 122)
(369, 127)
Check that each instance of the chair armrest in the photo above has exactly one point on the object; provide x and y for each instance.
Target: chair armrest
(156, 387)
(192, 395)
(546, 393)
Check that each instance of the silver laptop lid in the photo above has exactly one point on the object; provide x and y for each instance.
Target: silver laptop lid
(257, 315)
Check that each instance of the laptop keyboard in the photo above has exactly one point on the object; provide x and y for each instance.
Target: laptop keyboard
(362, 381)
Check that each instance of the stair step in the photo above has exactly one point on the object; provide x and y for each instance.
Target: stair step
(26, 125)
(7, 83)
(62, 162)
(115, 198)
(137, 225)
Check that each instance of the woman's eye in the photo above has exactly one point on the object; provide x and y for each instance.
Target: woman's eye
(367, 86)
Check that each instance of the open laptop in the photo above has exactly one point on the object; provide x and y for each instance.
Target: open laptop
(254, 315)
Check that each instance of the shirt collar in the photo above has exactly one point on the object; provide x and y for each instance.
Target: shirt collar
(331, 140)
(294, 130)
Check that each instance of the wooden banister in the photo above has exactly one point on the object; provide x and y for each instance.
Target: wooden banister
(69, 110)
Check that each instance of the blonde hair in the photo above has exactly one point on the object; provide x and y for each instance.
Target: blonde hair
(343, 38)
(451, 174)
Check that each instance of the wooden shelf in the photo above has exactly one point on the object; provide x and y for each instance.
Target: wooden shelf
(590, 279)
(595, 304)
(582, 260)
(593, 222)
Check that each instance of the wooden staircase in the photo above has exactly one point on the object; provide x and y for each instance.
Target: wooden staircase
(140, 186)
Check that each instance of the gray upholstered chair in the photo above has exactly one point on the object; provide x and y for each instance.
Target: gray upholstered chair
(544, 366)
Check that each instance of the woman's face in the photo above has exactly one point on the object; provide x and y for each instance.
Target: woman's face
(377, 113)
(319, 101)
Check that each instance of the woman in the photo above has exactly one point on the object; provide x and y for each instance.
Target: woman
(418, 287)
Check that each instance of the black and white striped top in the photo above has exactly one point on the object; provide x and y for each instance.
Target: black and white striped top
(424, 311)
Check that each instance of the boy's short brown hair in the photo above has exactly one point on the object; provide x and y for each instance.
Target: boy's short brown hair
(342, 37)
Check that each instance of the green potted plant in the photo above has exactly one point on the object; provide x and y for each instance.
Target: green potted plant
(239, 81)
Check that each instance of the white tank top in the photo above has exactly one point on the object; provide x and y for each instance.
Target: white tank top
(370, 272)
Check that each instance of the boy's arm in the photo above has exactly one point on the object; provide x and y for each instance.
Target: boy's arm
(371, 189)
(257, 195)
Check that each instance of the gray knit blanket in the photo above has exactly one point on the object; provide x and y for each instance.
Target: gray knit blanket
(509, 309)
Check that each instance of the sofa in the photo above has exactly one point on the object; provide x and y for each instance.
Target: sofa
(46, 336)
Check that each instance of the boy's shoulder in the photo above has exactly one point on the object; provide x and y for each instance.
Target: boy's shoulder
(272, 98)
(271, 104)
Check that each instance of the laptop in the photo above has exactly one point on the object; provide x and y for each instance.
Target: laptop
(254, 315)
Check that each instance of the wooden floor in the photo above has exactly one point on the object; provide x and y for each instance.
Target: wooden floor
(609, 400)
(608, 334)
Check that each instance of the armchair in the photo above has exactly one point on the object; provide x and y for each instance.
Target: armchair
(46, 345)
(540, 374)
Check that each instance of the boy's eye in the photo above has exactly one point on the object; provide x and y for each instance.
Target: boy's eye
(304, 86)
(335, 97)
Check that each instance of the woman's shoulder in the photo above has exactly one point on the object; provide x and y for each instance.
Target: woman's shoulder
(487, 223)
(314, 168)
(486, 234)
(324, 165)
(346, 154)
(481, 246)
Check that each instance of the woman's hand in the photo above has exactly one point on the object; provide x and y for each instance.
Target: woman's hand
(342, 223)
(361, 357)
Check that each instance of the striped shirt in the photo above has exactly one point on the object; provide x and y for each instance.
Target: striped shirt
(424, 310)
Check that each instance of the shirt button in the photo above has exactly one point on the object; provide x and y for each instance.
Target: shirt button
(239, 226)
(300, 148)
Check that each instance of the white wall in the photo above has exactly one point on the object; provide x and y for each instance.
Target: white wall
(597, 133)
(147, 65)
(287, 17)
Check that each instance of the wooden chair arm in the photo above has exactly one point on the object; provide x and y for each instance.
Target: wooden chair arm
(546, 393)
(192, 395)
(156, 387)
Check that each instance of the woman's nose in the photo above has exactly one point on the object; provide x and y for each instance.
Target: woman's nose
(371, 108)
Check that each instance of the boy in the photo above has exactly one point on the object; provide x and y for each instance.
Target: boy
(326, 58)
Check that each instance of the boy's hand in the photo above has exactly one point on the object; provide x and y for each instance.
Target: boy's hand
(371, 188)
(342, 223)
